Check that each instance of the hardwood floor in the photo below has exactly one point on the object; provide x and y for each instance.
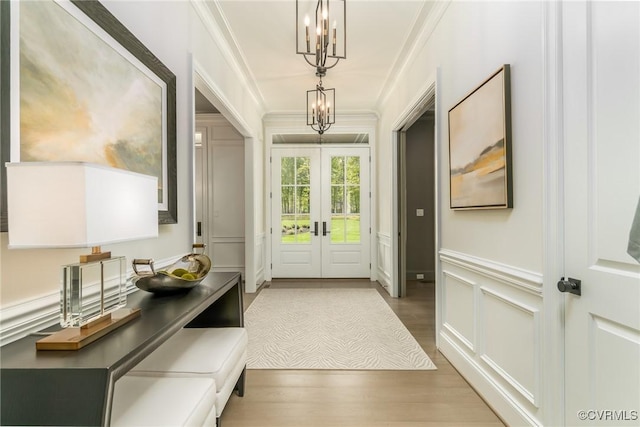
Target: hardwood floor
(309, 398)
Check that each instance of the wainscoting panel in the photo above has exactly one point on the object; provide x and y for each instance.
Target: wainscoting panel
(260, 258)
(458, 312)
(491, 332)
(227, 254)
(385, 260)
(517, 363)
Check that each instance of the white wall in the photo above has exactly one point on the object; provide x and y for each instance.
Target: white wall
(471, 41)
(175, 33)
(491, 262)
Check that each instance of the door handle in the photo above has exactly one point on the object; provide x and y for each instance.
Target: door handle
(573, 286)
(315, 228)
(324, 228)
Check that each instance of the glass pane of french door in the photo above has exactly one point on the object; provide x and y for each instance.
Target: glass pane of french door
(295, 188)
(345, 199)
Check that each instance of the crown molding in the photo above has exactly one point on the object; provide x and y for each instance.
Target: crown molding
(217, 25)
(369, 118)
(407, 54)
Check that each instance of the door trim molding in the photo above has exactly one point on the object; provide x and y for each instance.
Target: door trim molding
(294, 124)
(406, 119)
(321, 257)
(553, 381)
(203, 82)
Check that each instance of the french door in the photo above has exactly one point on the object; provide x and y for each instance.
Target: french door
(320, 212)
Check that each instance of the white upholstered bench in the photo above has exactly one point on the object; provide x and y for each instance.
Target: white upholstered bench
(216, 353)
(163, 401)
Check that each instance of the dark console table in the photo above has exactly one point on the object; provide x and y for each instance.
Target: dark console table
(76, 387)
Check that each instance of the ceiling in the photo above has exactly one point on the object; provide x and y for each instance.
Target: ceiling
(380, 33)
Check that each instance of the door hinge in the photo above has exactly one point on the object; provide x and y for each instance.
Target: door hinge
(272, 266)
(369, 230)
(270, 159)
(369, 266)
(271, 230)
(270, 195)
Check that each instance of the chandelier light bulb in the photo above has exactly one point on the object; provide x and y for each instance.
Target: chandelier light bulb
(306, 30)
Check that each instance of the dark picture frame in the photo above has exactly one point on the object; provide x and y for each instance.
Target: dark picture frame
(99, 15)
(480, 167)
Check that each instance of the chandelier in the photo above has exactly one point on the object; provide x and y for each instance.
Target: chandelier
(321, 108)
(327, 39)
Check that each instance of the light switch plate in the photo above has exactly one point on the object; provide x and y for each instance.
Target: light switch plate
(419, 212)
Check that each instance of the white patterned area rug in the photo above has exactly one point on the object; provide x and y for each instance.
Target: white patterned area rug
(329, 329)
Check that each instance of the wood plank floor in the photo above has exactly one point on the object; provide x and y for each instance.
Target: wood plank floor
(309, 398)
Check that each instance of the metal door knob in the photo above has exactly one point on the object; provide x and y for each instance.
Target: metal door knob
(573, 286)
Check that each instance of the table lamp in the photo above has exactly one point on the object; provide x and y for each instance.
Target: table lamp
(82, 205)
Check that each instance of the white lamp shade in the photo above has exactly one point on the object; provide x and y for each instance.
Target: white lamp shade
(75, 204)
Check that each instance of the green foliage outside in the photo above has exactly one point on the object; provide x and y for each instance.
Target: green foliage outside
(296, 205)
(302, 233)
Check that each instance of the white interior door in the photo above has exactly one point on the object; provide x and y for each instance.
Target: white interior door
(320, 210)
(601, 50)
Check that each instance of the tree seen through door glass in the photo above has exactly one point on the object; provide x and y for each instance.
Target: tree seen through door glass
(345, 199)
(295, 203)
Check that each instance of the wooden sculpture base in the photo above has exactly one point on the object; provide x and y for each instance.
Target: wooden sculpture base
(76, 338)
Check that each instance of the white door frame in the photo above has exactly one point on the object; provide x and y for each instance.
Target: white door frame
(251, 258)
(405, 120)
(321, 257)
(294, 124)
(553, 384)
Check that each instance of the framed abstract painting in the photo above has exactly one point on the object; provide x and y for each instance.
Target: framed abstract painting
(84, 88)
(480, 146)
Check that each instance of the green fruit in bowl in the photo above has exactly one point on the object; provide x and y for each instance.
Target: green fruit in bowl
(188, 276)
(179, 272)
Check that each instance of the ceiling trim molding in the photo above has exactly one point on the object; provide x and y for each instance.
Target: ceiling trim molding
(339, 113)
(431, 21)
(217, 26)
(274, 119)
